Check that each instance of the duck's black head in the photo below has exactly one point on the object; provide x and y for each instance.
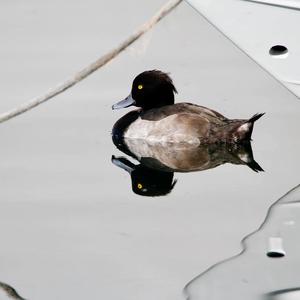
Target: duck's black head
(150, 89)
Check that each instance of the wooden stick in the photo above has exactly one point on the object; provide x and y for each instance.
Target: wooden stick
(161, 13)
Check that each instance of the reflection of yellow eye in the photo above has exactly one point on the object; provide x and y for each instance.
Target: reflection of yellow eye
(140, 186)
(140, 86)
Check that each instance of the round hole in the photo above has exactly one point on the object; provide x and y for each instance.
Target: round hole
(279, 51)
(275, 254)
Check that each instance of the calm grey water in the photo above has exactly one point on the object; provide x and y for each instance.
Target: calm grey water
(70, 225)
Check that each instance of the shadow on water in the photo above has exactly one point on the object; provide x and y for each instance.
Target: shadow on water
(153, 175)
(267, 268)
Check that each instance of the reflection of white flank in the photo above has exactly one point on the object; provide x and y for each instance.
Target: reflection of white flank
(245, 157)
(185, 157)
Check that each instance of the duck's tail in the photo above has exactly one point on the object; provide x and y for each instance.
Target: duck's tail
(255, 117)
(243, 153)
(244, 130)
(254, 166)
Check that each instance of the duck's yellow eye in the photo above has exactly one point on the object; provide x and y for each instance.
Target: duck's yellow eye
(140, 86)
(139, 186)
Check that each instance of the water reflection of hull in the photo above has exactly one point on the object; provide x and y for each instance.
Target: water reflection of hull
(268, 266)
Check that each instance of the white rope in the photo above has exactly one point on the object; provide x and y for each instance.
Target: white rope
(10, 291)
(161, 13)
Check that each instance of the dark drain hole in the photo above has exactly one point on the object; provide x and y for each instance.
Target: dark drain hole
(275, 254)
(278, 50)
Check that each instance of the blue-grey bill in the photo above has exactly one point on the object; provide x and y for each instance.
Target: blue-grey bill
(128, 101)
(123, 163)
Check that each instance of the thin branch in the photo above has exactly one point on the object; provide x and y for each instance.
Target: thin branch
(161, 13)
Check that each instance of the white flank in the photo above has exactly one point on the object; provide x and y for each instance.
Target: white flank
(245, 127)
(166, 130)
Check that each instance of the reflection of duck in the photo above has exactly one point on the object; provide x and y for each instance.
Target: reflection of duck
(146, 181)
(154, 175)
(160, 120)
(186, 157)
